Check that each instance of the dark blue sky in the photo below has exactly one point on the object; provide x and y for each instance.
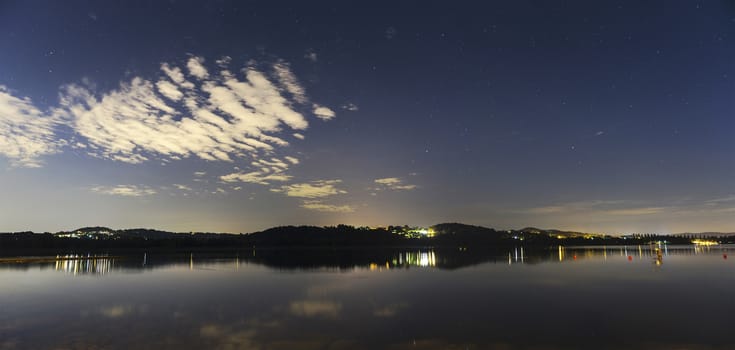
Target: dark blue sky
(236, 116)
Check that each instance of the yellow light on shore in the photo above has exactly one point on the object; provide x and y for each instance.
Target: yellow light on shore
(704, 242)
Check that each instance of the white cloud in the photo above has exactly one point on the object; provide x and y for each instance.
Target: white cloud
(175, 74)
(256, 177)
(224, 61)
(323, 113)
(26, 134)
(314, 189)
(125, 190)
(261, 95)
(598, 208)
(223, 118)
(394, 183)
(388, 181)
(330, 208)
(266, 171)
(289, 82)
(183, 112)
(182, 187)
(169, 90)
(196, 68)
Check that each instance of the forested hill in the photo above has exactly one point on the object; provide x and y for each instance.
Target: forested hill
(445, 234)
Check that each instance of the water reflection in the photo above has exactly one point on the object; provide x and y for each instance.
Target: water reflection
(516, 257)
(351, 259)
(417, 258)
(90, 264)
(555, 298)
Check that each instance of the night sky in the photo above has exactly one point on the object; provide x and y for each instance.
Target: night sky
(606, 116)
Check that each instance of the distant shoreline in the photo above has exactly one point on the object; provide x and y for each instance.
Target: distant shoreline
(450, 235)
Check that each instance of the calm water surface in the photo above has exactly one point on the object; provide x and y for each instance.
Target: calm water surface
(562, 298)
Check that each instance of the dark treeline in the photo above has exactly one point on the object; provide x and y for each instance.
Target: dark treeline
(443, 235)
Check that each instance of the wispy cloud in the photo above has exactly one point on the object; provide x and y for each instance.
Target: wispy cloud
(124, 190)
(190, 109)
(614, 209)
(318, 205)
(634, 211)
(314, 193)
(182, 187)
(626, 215)
(350, 107)
(311, 55)
(323, 113)
(196, 68)
(551, 209)
(176, 75)
(26, 134)
(256, 177)
(388, 181)
(597, 207)
(288, 80)
(168, 89)
(266, 171)
(314, 189)
(393, 183)
(717, 201)
(220, 116)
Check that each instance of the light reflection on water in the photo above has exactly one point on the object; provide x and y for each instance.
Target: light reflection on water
(89, 264)
(651, 296)
(79, 264)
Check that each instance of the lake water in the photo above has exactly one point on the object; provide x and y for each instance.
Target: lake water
(560, 298)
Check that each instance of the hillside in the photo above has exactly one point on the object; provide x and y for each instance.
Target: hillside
(440, 235)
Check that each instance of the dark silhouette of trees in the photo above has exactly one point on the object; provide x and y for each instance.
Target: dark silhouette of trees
(441, 235)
